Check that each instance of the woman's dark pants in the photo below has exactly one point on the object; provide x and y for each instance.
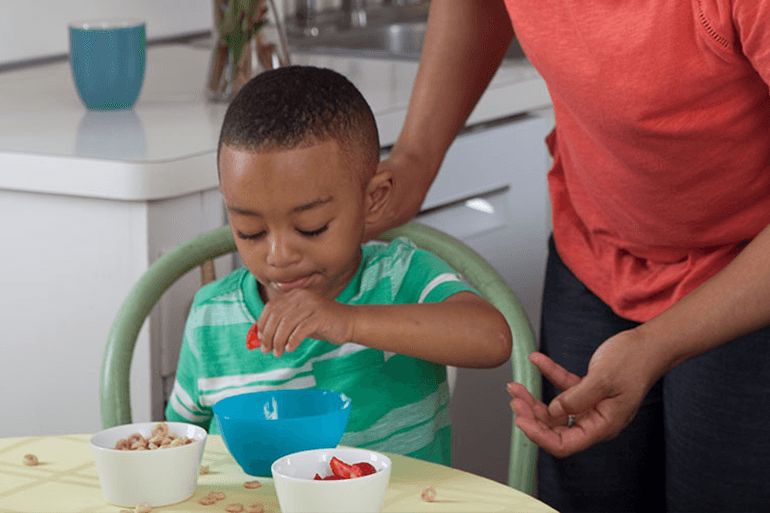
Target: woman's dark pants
(701, 439)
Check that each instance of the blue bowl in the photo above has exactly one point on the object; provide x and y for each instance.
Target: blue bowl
(260, 427)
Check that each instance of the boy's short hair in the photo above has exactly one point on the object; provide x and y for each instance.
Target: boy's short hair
(297, 107)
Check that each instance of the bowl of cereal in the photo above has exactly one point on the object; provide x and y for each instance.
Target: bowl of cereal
(152, 463)
(339, 480)
(260, 427)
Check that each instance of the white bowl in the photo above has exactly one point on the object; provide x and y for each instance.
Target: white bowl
(156, 477)
(298, 492)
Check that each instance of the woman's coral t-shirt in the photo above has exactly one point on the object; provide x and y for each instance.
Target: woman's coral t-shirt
(661, 148)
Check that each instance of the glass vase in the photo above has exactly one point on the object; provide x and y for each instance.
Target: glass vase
(249, 37)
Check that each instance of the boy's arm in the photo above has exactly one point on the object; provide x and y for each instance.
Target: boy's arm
(464, 330)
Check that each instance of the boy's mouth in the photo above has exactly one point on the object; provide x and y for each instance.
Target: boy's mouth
(286, 286)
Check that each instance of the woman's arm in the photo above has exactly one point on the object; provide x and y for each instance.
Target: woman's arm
(734, 302)
(464, 44)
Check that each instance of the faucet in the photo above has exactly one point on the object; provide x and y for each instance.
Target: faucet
(354, 12)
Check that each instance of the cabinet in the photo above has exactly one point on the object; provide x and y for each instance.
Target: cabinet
(68, 264)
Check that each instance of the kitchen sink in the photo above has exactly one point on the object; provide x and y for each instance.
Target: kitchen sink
(390, 41)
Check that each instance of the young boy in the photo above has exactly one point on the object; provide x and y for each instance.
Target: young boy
(298, 156)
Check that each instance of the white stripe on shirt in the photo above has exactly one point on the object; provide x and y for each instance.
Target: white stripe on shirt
(401, 418)
(242, 381)
(435, 282)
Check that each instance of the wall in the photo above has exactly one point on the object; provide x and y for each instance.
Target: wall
(33, 30)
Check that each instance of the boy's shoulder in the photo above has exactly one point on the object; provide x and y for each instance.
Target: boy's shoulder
(376, 249)
(221, 289)
(398, 252)
(400, 272)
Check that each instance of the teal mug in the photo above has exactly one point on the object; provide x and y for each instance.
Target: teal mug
(108, 60)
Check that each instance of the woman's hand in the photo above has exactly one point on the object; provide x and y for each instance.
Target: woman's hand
(410, 180)
(290, 318)
(620, 374)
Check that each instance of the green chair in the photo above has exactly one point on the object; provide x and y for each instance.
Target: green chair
(115, 386)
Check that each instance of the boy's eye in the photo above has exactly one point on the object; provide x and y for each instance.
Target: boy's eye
(313, 233)
(250, 236)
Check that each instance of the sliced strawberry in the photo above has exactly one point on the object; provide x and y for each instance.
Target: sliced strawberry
(252, 338)
(317, 478)
(332, 478)
(362, 469)
(340, 468)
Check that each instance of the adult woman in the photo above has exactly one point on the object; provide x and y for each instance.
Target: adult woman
(658, 280)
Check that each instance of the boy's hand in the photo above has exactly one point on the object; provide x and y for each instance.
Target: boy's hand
(289, 319)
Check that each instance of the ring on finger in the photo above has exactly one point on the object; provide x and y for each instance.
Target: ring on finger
(570, 420)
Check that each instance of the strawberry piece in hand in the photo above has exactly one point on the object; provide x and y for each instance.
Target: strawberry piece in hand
(340, 468)
(252, 339)
(362, 469)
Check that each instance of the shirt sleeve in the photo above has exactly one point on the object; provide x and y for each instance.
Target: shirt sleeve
(752, 24)
(429, 279)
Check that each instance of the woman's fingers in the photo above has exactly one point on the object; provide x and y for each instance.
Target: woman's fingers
(554, 372)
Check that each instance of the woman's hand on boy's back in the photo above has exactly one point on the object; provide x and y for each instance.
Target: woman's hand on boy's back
(292, 317)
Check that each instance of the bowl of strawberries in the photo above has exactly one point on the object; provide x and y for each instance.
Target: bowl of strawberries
(339, 480)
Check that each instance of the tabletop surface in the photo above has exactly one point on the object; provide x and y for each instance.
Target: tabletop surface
(65, 481)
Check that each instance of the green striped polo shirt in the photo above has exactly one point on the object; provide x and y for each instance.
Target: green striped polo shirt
(400, 404)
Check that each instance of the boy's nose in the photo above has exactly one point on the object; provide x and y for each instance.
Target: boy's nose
(281, 253)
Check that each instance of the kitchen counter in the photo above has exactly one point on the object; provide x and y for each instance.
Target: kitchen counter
(166, 145)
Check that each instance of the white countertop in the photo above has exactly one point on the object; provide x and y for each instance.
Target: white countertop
(166, 145)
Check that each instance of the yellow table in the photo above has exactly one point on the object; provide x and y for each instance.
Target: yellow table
(65, 481)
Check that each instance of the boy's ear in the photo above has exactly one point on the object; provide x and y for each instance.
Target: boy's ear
(378, 196)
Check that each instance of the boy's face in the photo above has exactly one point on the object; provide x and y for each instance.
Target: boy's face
(298, 216)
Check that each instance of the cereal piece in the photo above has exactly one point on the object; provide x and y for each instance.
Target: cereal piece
(141, 444)
(30, 460)
(125, 511)
(207, 500)
(203, 470)
(256, 508)
(234, 508)
(143, 508)
(160, 429)
(136, 437)
(217, 495)
(252, 485)
(177, 442)
(428, 494)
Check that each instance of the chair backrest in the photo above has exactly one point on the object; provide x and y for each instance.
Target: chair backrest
(115, 375)
(493, 288)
